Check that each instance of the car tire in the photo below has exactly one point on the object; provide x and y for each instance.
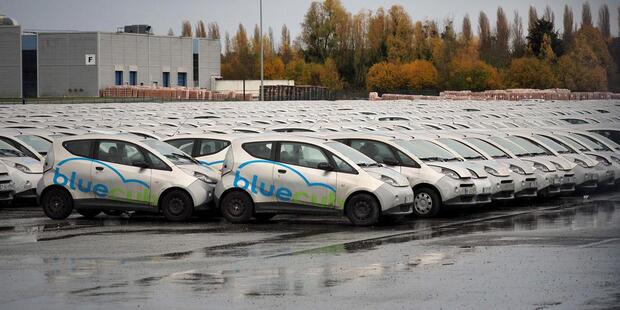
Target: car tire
(426, 202)
(237, 207)
(363, 210)
(113, 212)
(57, 204)
(87, 213)
(177, 206)
(264, 217)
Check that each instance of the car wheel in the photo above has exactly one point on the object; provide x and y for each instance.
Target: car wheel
(177, 206)
(237, 207)
(89, 214)
(363, 210)
(264, 217)
(426, 202)
(112, 212)
(57, 204)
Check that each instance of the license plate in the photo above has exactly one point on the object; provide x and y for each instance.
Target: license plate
(568, 180)
(555, 181)
(506, 187)
(532, 184)
(6, 187)
(469, 190)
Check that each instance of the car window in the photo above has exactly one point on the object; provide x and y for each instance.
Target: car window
(7, 150)
(462, 149)
(258, 149)
(489, 148)
(185, 145)
(556, 145)
(37, 143)
(119, 152)
(20, 147)
(157, 163)
(375, 150)
(211, 146)
(342, 165)
(301, 154)
(406, 160)
(78, 147)
(532, 147)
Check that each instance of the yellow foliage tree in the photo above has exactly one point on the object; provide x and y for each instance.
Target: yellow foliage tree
(274, 68)
(531, 72)
(420, 74)
(384, 77)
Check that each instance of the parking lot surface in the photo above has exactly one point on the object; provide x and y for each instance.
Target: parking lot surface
(559, 253)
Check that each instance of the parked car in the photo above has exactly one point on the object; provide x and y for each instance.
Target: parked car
(7, 186)
(272, 174)
(95, 173)
(25, 172)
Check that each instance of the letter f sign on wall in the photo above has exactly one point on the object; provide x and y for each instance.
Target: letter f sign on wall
(90, 59)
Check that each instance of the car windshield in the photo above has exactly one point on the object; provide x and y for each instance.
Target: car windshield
(489, 148)
(590, 142)
(509, 145)
(7, 150)
(462, 149)
(556, 145)
(357, 157)
(173, 154)
(40, 145)
(532, 148)
(426, 150)
(576, 144)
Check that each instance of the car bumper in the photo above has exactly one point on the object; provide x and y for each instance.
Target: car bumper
(395, 200)
(26, 184)
(202, 194)
(461, 192)
(502, 188)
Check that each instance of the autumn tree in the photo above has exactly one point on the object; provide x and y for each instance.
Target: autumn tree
(532, 18)
(213, 31)
(501, 49)
(400, 34)
(285, 49)
(468, 72)
(548, 15)
(530, 72)
(484, 35)
(518, 40)
(603, 22)
(466, 32)
(586, 15)
(322, 31)
(377, 37)
(568, 24)
(384, 77)
(587, 64)
(420, 75)
(201, 31)
(186, 29)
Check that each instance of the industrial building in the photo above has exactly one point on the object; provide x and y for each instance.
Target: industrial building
(79, 64)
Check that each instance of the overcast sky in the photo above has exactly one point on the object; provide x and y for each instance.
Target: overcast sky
(107, 15)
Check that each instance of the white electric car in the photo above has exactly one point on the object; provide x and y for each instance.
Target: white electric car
(264, 176)
(95, 173)
(25, 171)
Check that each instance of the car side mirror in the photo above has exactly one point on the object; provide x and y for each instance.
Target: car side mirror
(325, 166)
(140, 163)
(391, 162)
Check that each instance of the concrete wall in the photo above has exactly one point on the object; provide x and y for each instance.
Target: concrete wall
(209, 61)
(130, 52)
(62, 64)
(251, 86)
(10, 62)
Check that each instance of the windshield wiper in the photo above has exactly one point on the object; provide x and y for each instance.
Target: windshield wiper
(368, 164)
(186, 157)
(473, 157)
(431, 159)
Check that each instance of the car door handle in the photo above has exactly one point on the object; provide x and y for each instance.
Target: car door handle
(99, 168)
(281, 171)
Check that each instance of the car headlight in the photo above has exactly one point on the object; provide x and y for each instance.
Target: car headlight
(581, 163)
(558, 166)
(450, 173)
(602, 160)
(388, 180)
(491, 171)
(541, 167)
(22, 168)
(474, 174)
(517, 170)
(203, 177)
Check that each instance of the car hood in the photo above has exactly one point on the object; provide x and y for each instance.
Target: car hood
(377, 172)
(457, 167)
(190, 169)
(563, 162)
(34, 165)
(589, 161)
(478, 167)
(3, 168)
(527, 166)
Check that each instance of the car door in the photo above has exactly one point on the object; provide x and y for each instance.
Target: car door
(121, 173)
(298, 179)
(254, 172)
(73, 172)
(211, 152)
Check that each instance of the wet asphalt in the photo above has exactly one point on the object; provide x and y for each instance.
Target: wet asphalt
(562, 253)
